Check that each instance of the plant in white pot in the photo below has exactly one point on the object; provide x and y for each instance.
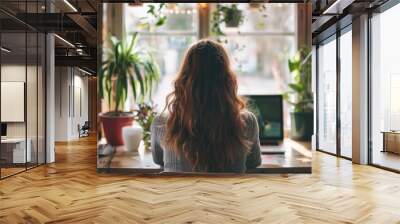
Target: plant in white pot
(125, 65)
(300, 95)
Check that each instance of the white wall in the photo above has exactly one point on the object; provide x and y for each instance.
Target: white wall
(12, 73)
(61, 112)
(16, 73)
(71, 102)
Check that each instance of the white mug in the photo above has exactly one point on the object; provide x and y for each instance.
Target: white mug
(132, 137)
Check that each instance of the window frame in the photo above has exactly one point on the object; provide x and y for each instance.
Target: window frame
(332, 33)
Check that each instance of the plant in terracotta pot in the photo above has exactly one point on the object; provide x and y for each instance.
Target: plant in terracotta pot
(300, 95)
(145, 115)
(125, 65)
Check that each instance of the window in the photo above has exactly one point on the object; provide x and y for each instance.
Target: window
(267, 34)
(327, 96)
(346, 94)
(168, 42)
(260, 47)
(385, 88)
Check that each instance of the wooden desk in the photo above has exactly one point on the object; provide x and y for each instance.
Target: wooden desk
(119, 160)
(391, 141)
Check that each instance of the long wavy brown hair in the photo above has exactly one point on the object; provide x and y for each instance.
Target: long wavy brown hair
(204, 119)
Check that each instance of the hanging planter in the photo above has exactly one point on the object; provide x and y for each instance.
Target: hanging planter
(231, 16)
(155, 17)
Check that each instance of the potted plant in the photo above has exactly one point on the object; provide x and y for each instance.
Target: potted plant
(125, 65)
(231, 15)
(300, 95)
(145, 115)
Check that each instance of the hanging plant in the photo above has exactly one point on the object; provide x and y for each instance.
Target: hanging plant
(231, 15)
(154, 13)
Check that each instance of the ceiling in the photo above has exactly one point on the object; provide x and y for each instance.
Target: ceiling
(332, 15)
(74, 22)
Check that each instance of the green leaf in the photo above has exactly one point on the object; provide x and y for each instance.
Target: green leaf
(133, 84)
(133, 42)
(139, 78)
(161, 21)
(296, 87)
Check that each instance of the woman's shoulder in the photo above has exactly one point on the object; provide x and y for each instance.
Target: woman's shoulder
(248, 117)
(160, 119)
(251, 126)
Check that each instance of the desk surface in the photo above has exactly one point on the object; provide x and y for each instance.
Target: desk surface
(391, 132)
(118, 159)
(13, 140)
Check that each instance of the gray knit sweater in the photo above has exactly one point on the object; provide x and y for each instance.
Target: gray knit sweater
(172, 162)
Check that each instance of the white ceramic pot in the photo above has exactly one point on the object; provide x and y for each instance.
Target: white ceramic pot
(132, 137)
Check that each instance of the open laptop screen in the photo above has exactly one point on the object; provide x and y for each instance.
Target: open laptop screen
(269, 112)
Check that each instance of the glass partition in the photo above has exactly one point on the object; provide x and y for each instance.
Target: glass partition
(22, 77)
(327, 96)
(15, 151)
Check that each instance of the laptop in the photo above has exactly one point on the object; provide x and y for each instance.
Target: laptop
(269, 112)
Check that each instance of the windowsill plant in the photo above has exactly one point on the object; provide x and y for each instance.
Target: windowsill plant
(125, 65)
(300, 95)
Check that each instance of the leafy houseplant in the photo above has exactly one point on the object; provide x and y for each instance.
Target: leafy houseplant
(300, 95)
(125, 65)
(145, 115)
(231, 15)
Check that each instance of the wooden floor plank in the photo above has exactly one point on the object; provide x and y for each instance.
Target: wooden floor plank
(71, 191)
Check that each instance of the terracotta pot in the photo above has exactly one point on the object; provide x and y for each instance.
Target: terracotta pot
(113, 124)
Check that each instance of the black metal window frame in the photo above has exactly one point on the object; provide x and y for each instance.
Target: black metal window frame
(333, 33)
(324, 37)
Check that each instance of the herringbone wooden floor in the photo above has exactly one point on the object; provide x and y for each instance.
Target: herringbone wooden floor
(71, 191)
